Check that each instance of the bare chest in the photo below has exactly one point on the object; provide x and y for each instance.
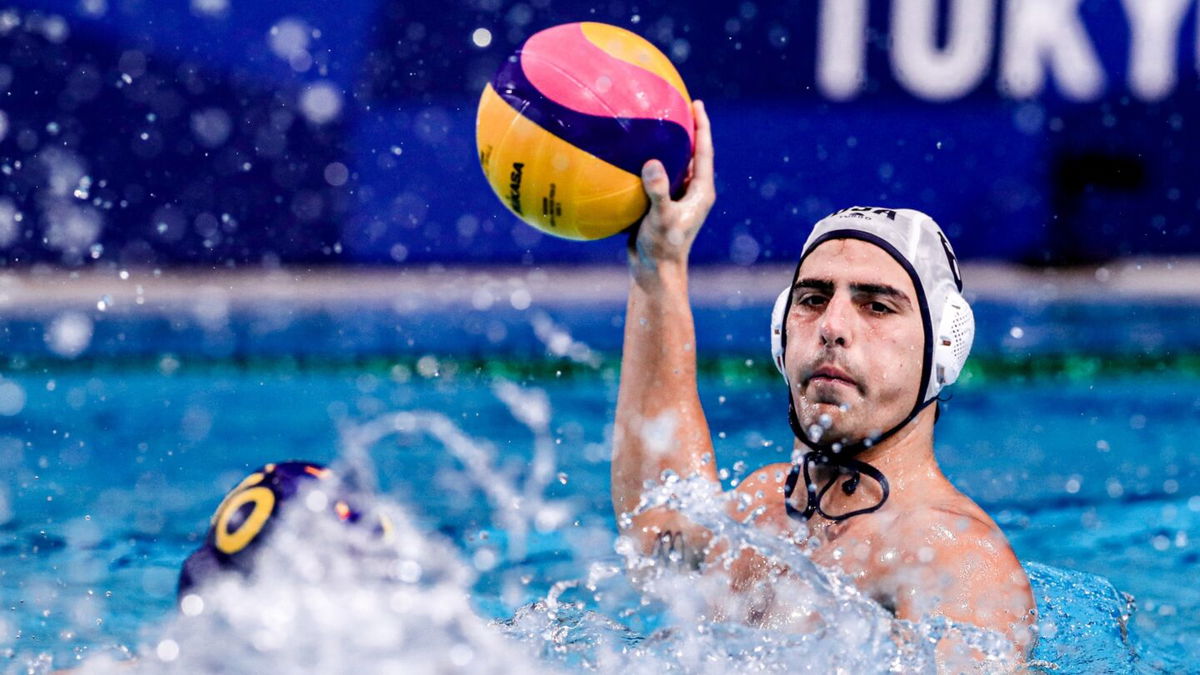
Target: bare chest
(864, 554)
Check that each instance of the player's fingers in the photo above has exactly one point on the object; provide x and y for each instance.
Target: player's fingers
(703, 169)
(656, 183)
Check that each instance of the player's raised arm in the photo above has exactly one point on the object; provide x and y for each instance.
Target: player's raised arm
(659, 422)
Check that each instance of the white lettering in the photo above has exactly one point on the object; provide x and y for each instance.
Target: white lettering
(1047, 34)
(941, 74)
(842, 48)
(1155, 27)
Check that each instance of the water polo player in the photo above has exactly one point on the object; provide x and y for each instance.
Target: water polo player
(869, 331)
(243, 521)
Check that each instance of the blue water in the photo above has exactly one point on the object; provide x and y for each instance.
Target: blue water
(111, 468)
(424, 325)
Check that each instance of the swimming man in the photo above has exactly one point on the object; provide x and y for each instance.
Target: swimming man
(870, 330)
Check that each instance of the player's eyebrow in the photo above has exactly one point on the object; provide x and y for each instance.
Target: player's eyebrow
(827, 286)
(822, 285)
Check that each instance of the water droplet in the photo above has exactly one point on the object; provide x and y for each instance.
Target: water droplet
(482, 37)
(321, 102)
(167, 650)
(815, 431)
(192, 605)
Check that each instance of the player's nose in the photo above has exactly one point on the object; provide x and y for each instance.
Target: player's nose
(835, 324)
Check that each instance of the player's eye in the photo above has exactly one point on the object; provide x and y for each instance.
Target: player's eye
(812, 300)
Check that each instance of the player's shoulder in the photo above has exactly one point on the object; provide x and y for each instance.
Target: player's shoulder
(771, 477)
(953, 528)
(763, 491)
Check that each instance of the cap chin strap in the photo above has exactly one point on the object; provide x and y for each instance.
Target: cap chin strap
(839, 457)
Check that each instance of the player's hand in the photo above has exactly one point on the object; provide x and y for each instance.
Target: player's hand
(668, 229)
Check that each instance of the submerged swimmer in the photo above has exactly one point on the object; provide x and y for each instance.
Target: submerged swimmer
(243, 521)
(870, 330)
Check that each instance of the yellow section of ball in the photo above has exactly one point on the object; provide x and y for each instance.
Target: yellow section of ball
(633, 48)
(549, 183)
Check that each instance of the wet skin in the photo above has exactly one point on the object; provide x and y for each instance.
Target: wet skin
(854, 355)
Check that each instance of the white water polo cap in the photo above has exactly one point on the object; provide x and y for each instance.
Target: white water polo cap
(918, 244)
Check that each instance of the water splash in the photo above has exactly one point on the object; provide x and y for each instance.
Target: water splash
(559, 341)
(333, 598)
(337, 599)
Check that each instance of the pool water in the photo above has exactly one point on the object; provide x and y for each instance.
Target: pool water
(112, 467)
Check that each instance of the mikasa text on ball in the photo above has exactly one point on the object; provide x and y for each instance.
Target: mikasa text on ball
(566, 124)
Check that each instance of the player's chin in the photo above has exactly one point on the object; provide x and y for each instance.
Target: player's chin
(829, 398)
(827, 411)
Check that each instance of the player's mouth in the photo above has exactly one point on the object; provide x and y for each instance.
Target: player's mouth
(831, 375)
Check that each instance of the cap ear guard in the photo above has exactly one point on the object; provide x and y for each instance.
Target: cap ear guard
(778, 314)
(952, 341)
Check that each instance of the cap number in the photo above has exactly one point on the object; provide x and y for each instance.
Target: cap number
(230, 542)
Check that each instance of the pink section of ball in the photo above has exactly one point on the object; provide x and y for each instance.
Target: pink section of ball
(569, 69)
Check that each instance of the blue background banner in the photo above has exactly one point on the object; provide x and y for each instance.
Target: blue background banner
(229, 133)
